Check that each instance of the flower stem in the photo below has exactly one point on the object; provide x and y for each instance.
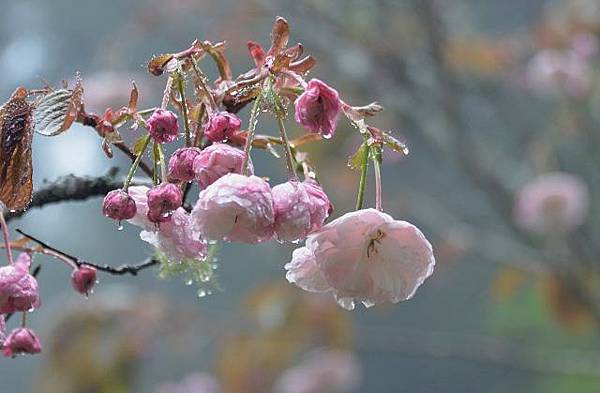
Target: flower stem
(378, 186)
(362, 184)
(6, 235)
(136, 163)
(167, 93)
(146, 111)
(291, 168)
(251, 132)
(184, 109)
(24, 319)
(163, 164)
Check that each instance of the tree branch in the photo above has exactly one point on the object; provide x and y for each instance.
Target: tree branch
(74, 188)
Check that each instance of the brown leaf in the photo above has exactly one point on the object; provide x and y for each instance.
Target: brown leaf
(279, 36)
(133, 98)
(257, 53)
(303, 65)
(156, 66)
(74, 105)
(16, 132)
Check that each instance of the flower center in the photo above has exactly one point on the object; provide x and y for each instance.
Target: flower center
(375, 239)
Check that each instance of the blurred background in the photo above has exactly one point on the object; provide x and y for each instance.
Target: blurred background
(497, 101)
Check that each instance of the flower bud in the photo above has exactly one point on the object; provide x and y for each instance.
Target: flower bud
(318, 108)
(118, 205)
(163, 200)
(222, 126)
(181, 164)
(21, 341)
(83, 279)
(18, 289)
(162, 126)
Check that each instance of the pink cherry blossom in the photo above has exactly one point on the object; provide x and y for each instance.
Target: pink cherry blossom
(118, 205)
(176, 238)
(83, 279)
(216, 161)
(318, 108)
(162, 126)
(18, 289)
(364, 256)
(194, 383)
(221, 126)
(181, 164)
(553, 72)
(323, 370)
(163, 200)
(552, 203)
(300, 208)
(21, 341)
(236, 208)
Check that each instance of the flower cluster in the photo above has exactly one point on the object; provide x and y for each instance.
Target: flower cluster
(364, 255)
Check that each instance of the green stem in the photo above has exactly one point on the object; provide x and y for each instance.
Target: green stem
(291, 168)
(146, 111)
(378, 185)
(163, 165)
(24, 319)
(362, 185)
(251, 132)
(184, 109)
(136, 162)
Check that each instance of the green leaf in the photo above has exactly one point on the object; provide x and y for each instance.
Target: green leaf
(199, 272)
(51, 111)
(138, 146)
(357, 160)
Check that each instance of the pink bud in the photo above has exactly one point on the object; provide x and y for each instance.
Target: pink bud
(83, 279)
(118, 205)
(162, 126)
(318, 108)
(216, 161)
(222, 126)
(181, 164)
(21, 341)
(18, 289)
(163, 200)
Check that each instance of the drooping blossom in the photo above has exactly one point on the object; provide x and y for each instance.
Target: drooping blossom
(21, 341)
(300, 208)
(162, 126)
(221, 126)
(177, 239)
(323, 370)
(364, 256)
(194, 383)
(553, 72)
(318, 109)
(118, 205)
(140, 196)
(181, 164)
(18, 289)
(163, 200)
(83, 279)
(236, 208)
(216, 161)
(552, 203)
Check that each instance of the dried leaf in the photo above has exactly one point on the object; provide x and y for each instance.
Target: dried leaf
(133, 98)
(257, 53)
(156, 66)
(279, 36)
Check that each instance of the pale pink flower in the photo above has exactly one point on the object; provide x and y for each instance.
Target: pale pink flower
(18, 289)
(194, 383)
(118, 205)
(318, 109)
(300, 208)
(216, 161)
(177, 239)
(21, 341)
(181, 164)
(83, 279)
(163, 200)
(140, 196)
(364, 256)
(236, 208)
(221, 126)
(162, 126)
(322, 371)
(552, 203)
(552, 72)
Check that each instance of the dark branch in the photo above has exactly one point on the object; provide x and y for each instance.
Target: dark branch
(74, 188)
(118, 271)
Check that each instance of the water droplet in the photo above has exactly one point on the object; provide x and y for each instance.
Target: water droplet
(120, 227)
(189, 282)
(202, 293)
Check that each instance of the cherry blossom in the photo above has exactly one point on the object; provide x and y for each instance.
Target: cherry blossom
(83, 279)
(318, 108)
(162, 126)
(364, 256)
(163, 200)
(118, 205)
(21, 341)
(222, 126)
(216, 161)
(18, 289)
(181, 164)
